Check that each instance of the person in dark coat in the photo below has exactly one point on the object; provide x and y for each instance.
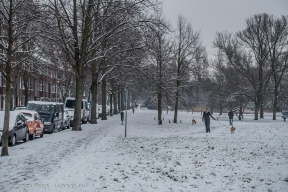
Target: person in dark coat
(231, 114)
(206, 119)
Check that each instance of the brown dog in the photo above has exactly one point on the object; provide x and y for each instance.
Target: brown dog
(232, 129)
(193, 121)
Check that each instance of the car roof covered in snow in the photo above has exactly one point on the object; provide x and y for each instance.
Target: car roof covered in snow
(13, 115)
(45, 103)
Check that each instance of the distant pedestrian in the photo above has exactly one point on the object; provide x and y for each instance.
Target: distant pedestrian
(284, 117)
(133, 110)
(231, 114)
(206, 119)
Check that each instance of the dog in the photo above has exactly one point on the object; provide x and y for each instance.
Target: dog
(193, 121)
(232, 129)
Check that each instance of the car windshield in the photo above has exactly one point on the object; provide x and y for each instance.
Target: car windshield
(43, 108)
(46, 117)
(70, 104)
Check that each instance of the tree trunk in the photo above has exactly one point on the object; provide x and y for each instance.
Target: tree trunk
(26, 87)
(240, 113)
(256, 109)
(4, 151)
(104, 115)
(94, 88)
(115, 111)
(8, 70)
(159, 107)
(78, 101)
(122, 100)
(275, 104)
(129, 101)
(176, 102)
(261, 109)
(111, 104)
(119, 100)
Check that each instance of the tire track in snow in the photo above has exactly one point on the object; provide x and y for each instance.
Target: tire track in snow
(44, 158)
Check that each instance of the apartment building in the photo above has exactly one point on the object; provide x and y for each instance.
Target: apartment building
(42, 85)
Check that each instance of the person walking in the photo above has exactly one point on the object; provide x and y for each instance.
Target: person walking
(230, 115)
(284, 117)
(206, 119)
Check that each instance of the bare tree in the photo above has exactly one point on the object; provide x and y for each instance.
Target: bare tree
(254, 52)
(276, 36)
(18, 17)
(158, 56)
(187, 50)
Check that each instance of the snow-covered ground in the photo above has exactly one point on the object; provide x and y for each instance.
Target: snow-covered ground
(170, 157)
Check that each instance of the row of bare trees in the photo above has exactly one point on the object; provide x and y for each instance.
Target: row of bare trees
(254, 60)
(112, 45)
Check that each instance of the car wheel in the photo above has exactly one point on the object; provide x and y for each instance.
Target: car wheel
(32, 137)
(63, 127)
(53, 129)
(13, 140)
(26, 137)
(42, 134)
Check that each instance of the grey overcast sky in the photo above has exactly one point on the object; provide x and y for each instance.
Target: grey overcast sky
(210, 16)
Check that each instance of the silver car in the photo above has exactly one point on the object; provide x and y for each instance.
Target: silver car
(18, 129)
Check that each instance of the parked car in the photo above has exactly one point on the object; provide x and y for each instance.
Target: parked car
(20, 108)
(70, 105)
(34, 123)
(18, 129)
(100, 110)
(66, 120)
(51, 112)
(71, 115)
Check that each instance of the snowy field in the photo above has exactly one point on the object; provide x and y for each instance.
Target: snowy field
(171, 157)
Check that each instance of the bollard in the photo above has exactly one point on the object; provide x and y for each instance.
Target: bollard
(180, 121)
(169, 121)
(163, 118)
(154, 118)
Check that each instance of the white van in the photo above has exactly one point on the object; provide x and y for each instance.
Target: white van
(69, 106)
(99, 114)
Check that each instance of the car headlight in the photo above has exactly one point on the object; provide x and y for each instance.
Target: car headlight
(47, 123)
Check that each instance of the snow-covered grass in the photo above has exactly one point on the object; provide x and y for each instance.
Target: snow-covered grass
(170, 157)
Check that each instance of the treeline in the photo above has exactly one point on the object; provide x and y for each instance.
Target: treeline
(109, 46)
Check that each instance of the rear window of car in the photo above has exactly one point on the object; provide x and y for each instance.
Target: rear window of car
(27, 114)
